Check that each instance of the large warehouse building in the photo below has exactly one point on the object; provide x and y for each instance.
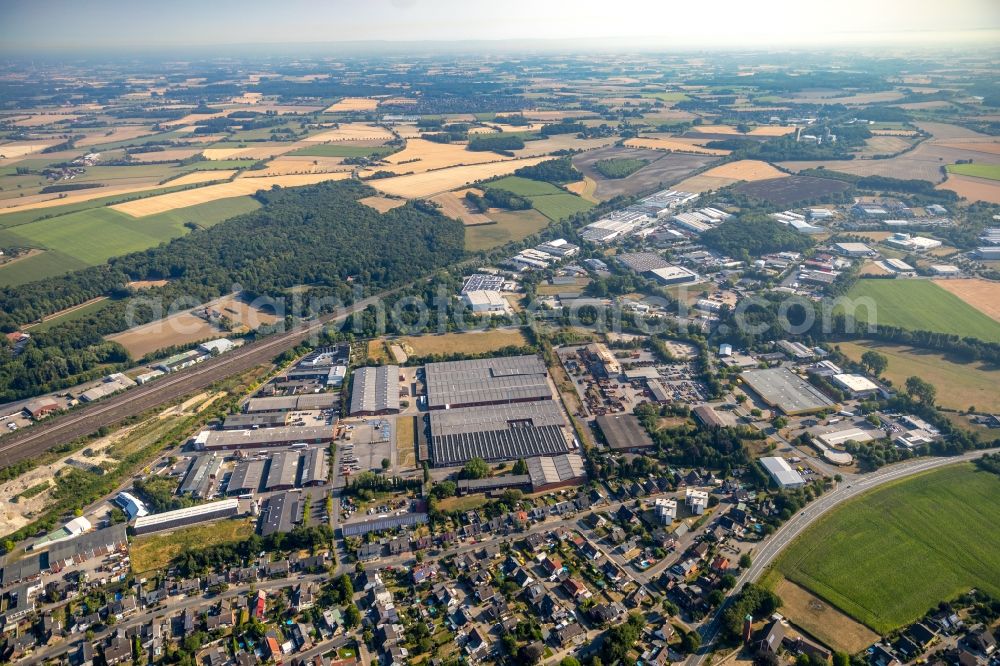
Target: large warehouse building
(214, 440)
(488, 381)
(192, 515)
(549, 473)
(782, 389)
(246, 477)
(292, 403)
(623, 432)
(501, 432)
(375, 391)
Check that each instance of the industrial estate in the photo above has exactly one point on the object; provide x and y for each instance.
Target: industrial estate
(590, 358)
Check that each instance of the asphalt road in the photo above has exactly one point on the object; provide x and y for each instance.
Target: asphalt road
(40, 437)
(788, 532)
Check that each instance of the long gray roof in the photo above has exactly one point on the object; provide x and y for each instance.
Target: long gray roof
(484, 381)
(246, 476)
(497, 432)
(375, 389)
(284, 469)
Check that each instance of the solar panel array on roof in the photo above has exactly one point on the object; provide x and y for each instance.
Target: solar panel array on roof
(486, 381)
(375, 390)
(499, 432)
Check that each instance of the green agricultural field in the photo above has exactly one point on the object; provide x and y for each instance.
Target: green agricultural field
(93, 236)
(991, 171)
(889, 556)
(524, 187)
(921, 305)
(339, 150)
(560, 206)
(38, 267)
(667, 96)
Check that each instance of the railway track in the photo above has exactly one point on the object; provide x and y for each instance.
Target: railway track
(41, 437)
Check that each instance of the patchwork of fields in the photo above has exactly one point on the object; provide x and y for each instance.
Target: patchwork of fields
(937, 528)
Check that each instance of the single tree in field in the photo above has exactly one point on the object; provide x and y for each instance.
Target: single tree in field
(874, 362)
(921, 390)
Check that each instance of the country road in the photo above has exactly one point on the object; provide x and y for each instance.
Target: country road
(33, 441)
(796, 525)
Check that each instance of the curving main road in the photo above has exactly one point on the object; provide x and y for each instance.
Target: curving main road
(40, 437)
(796, 525)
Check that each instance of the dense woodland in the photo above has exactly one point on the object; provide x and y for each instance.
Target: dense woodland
(318, 236)
(754, 235)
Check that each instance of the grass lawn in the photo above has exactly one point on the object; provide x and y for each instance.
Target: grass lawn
(510, 226)
(959, 385)
(338, 150)
(91, 237)
(560, 206)
(921, 305)
(465, 503)
(406, 447)
(156, 551)
(889, 556)
(991, 171)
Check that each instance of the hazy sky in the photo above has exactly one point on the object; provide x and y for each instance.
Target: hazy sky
(39, 25)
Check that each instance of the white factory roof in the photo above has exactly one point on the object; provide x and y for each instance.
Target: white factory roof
(855, 383)
(782, 472)
(187, 512)
(484, 298)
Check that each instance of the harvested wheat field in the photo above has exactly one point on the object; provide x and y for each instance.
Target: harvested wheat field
(983, 295)
(192, 118)
(353, 104)
(585, 189)
(15, 150)
(494, 128)
(421, 155)
(115, 134)
(727, 174)
(453, 205)
(561, 142)
(420, 185)
(256, 152)
(146, 284)
(894, 132)
(201, 177)
(674, 145)
(236, 188)
(763, 130)
(382, 204)
(822, 620)
(883, 145)
(973, 145)
(299, 164)
(350, 132)
(179, 329)
(51, 200)
(973, 189)
(39, 119)
(745, 170)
